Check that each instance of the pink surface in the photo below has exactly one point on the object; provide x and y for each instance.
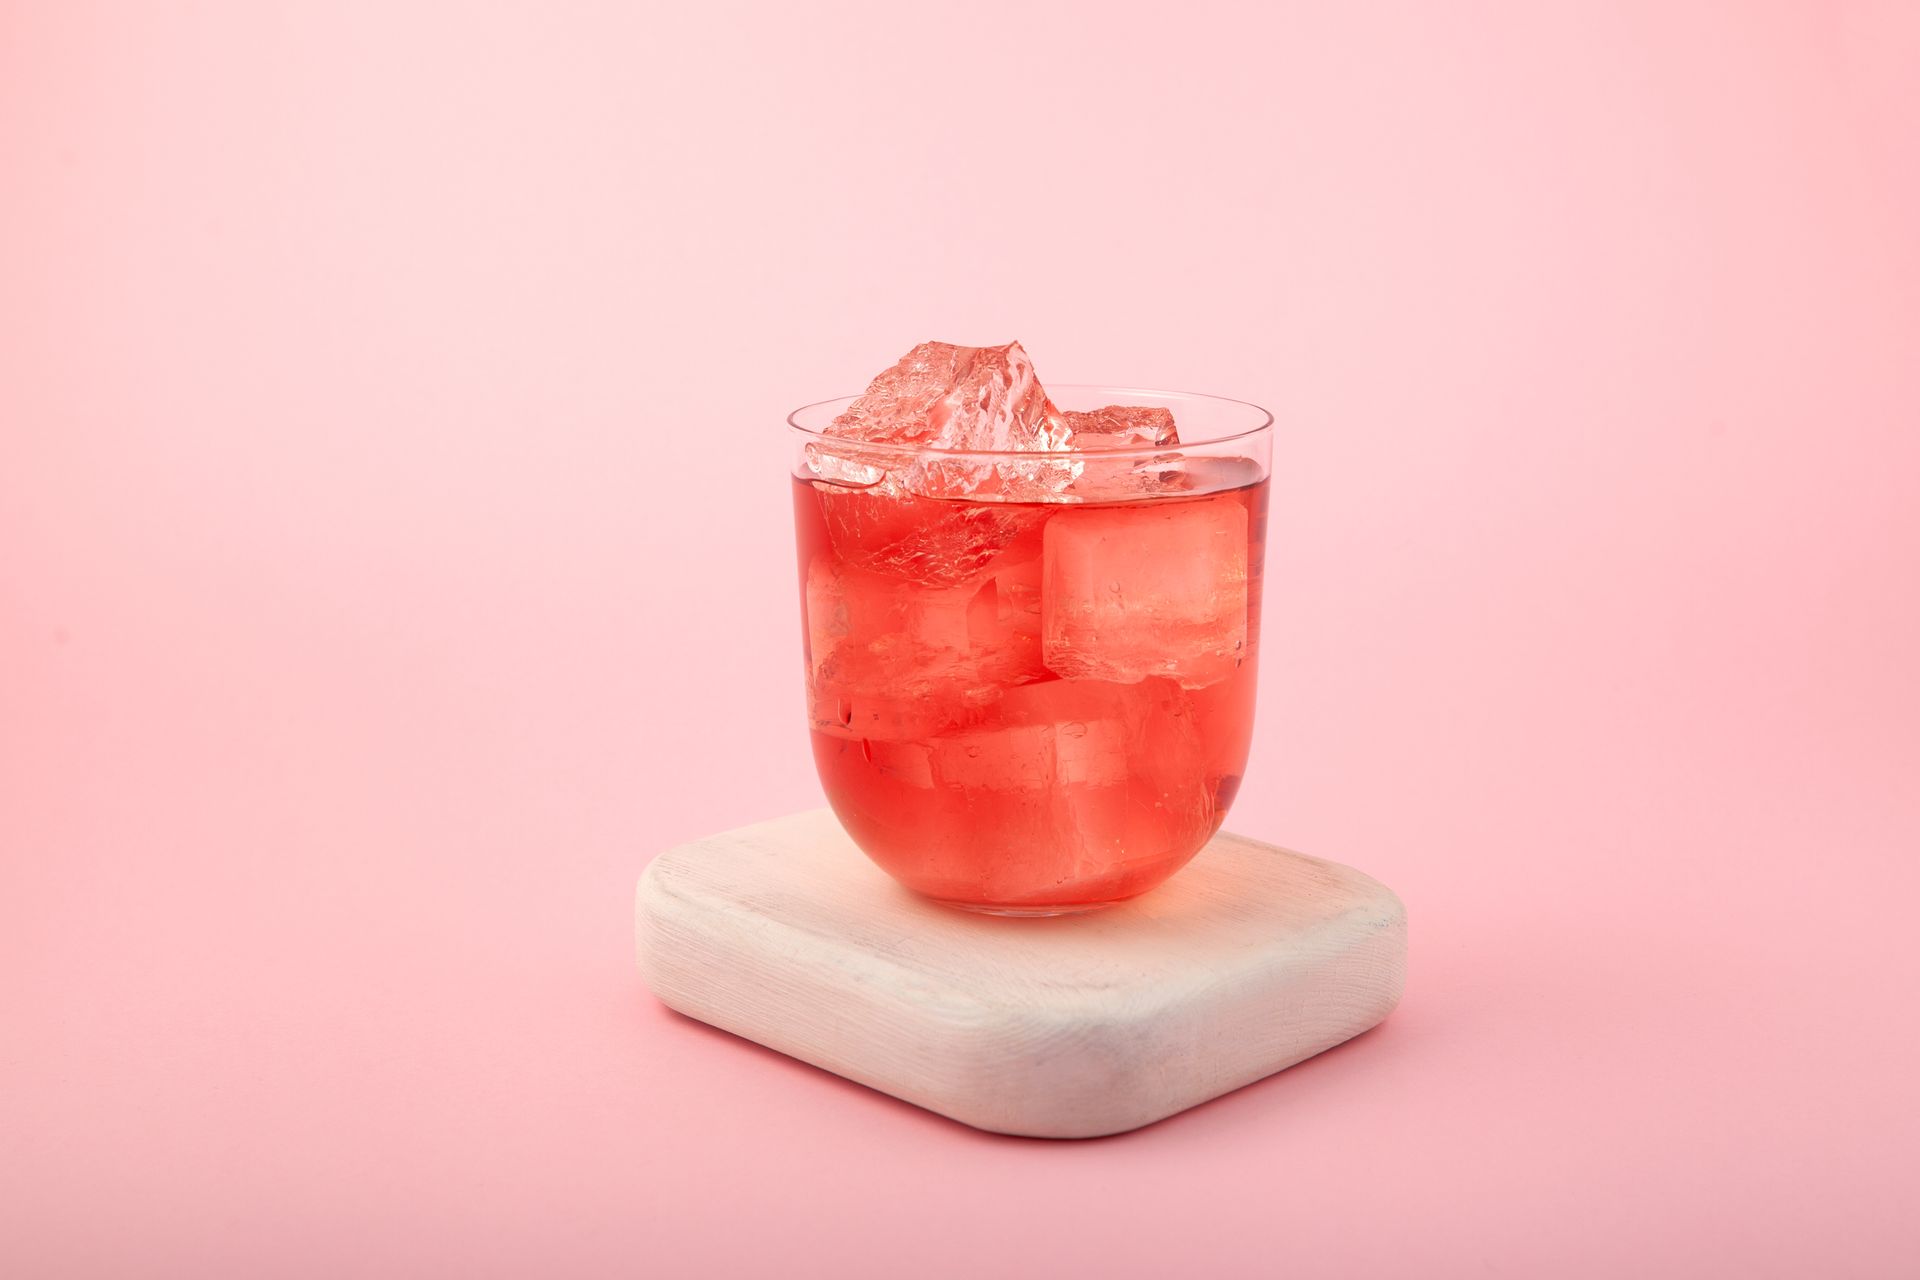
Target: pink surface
(394, 554)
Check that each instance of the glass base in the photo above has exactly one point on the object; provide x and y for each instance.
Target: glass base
(1026, 913)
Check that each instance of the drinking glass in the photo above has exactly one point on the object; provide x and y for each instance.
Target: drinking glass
(1030, 676)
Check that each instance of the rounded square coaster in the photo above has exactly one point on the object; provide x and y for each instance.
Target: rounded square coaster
(1249, 960)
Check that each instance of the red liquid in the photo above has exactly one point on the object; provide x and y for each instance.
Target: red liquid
(1030, 708)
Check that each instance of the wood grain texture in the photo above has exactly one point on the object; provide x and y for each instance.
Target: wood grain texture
(1250, 960)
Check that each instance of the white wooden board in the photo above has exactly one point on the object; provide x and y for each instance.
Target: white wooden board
(1249, 960)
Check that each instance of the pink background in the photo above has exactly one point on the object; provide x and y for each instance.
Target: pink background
(394, 556)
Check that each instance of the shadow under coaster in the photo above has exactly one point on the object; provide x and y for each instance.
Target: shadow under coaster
(1249, 960)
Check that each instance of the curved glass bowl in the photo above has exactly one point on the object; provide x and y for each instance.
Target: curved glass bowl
(1030, 676)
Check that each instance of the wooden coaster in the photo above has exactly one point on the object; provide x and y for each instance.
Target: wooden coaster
(1249, 960)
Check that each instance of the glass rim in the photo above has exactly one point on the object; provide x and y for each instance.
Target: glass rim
(1265, 425)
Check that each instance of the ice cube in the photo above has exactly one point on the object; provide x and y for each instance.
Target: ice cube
(849, 465)
(1105, 477)
(891, 659)
(1198, 474)
(1129, 477)
(1017, 594)
(1102, 477)
(943, 398)
(1121, 426)
(1041, 737)
(890, 531)
(1153, 589)
(1069, 780)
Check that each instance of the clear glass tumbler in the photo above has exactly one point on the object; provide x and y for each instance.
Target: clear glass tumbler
(1037, 698)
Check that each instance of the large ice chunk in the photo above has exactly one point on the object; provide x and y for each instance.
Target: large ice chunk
(942, 396)
(913, 427)
(1152, 589)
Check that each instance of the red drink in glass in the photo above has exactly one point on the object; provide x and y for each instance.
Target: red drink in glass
(1036, 707)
